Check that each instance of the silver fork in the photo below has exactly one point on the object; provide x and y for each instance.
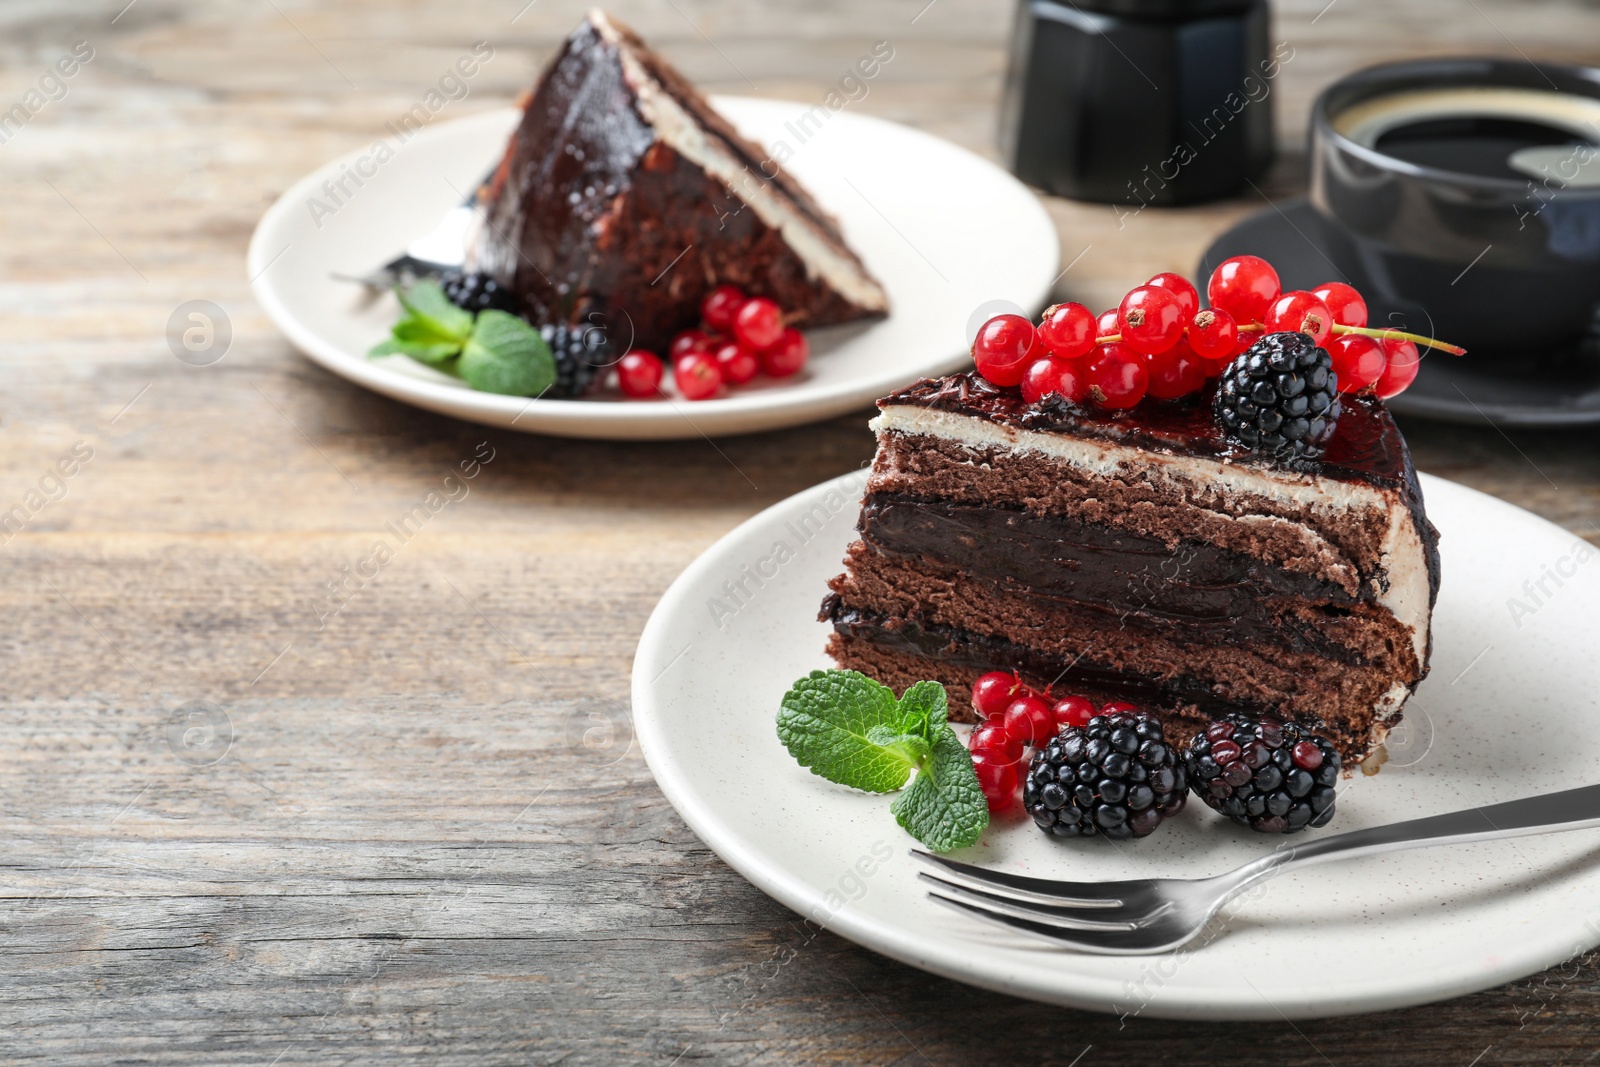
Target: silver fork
(1146, 916)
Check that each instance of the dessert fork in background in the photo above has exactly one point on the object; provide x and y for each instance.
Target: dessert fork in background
(1146, 916)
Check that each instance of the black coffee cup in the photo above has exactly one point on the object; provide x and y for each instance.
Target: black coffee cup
(1464, 197)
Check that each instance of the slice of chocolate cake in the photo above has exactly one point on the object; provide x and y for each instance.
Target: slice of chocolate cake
(1142, 557)
(622, 192)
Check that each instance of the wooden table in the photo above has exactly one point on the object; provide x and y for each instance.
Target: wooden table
(420, 829)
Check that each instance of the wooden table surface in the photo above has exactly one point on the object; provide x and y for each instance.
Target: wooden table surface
(421, 830)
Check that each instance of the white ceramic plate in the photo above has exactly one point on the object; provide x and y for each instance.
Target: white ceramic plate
(1509, 711)
(942, 229)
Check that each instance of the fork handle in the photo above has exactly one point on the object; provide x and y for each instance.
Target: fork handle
(1571, 809)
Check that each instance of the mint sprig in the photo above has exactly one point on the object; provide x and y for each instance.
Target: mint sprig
(493, 351)
(850, 729)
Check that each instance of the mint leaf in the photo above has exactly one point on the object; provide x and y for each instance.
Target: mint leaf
(417, 344)
(506, 355)
(427, 305)
(944, 808)
(911, 744)
(827, 720)
(924, 707)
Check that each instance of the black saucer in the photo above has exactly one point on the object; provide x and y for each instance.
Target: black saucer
(1550, 388)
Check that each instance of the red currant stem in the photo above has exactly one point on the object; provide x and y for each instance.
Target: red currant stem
(1401, 335)
(1108, 339)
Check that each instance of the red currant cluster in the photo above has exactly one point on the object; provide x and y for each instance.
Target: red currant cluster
(739, 337)
(1014, 717)
(1159, 342)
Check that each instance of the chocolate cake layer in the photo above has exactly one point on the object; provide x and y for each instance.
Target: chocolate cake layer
(623, 193)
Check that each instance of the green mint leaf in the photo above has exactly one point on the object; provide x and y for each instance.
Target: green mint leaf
(826, 722)
(911, 744)
(924, 708)
(944, 808)
(506, 355)
(426, 304)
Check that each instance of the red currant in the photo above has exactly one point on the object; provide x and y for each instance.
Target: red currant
(1404, 361)
(720, 306)
(992, 740)
(1118, 376)
(697, 375)
(1244, 287)
(1107, 323)
(689, 341)
(999, 778)
(1213, 334)
(1357, 360)
(639, 373)
(1004, 347)
(1028, 719)
(1299, 311)
(1066, 378)
(1344, 303)
(1151, 319)
(758, 324)
(1116, 706)
(1180, 287)
(1067, 330)
(1176, 372)
(788, 356)
(992, 693)
(1073, 711)
(738, 365)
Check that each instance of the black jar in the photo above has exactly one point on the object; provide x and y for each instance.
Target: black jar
(1141, 102)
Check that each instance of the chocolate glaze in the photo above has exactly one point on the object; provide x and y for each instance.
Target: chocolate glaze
(591, 211)
(1367, 448)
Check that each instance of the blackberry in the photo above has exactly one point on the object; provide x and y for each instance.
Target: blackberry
(582, 354)
(1270, 776)
(1280, 398)
(1115, 777)
(477, 292)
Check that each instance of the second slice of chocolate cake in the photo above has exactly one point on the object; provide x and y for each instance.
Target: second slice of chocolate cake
(1139, 557)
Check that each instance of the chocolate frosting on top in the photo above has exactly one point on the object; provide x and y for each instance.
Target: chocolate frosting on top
(1366, 447)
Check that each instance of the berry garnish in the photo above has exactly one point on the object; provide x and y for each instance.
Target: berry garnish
(1116, 707)
(1357, 360)
(992, 693)
(1213, 335)
(1176, 372)
(992, 740)
(1151, 319)
(1107, 323)
(1003, 349)
(1180, 287)
(1067, 330)
(720, 306)
(1280, 398)
(582, 354)
(758, 324)
(697, 375)
(737, 364)
(687, 341)
(1298, 311)
(1270, 776)
(1343, 302)
(1244, 287)
(1115, 777)
(788, 355)
(1403, 361)
(472, 291)
(998, 778)
(1118, 376)
(1066, 378)
(639, 373)
(1073, 711)
(1029, 720)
